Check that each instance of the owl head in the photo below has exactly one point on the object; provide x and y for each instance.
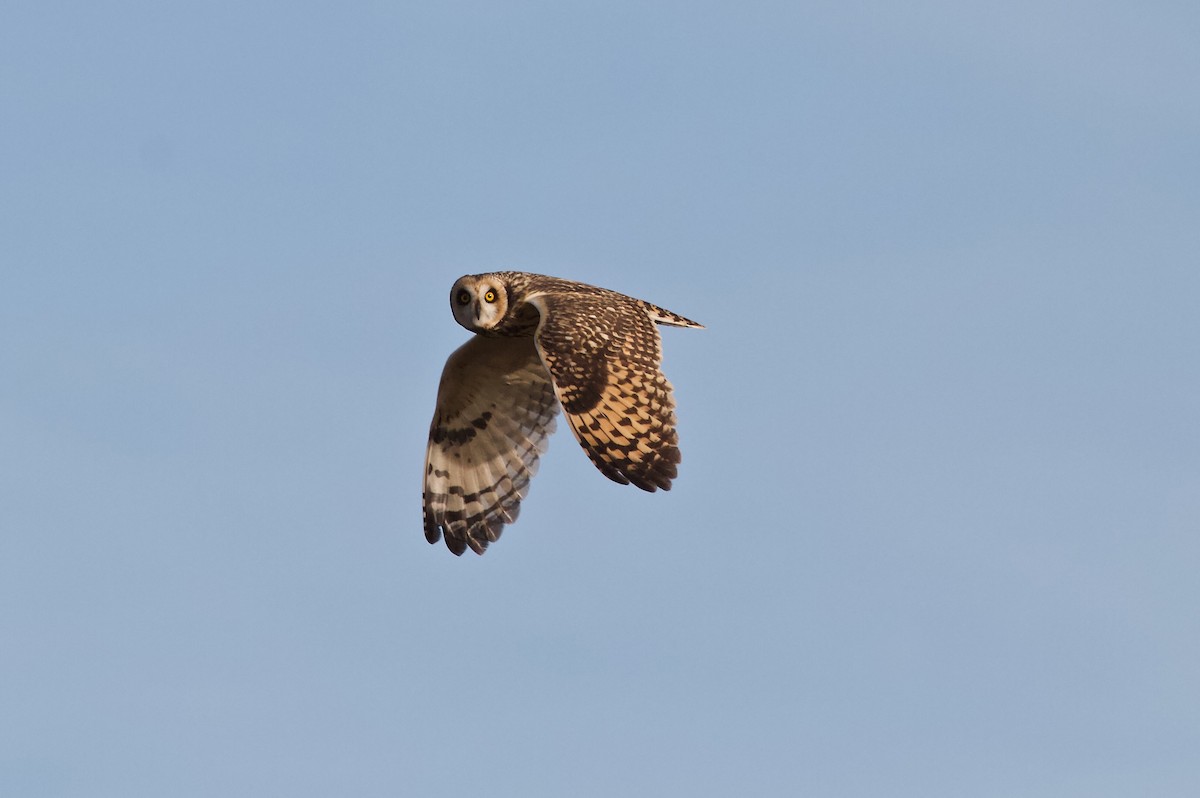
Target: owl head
(479, 301)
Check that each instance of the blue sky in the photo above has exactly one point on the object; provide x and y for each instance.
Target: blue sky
(936, 526)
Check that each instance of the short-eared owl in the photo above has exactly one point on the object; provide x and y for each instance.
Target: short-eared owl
(541, 342)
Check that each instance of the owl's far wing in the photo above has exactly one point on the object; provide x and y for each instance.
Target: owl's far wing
(495, 411)
(603, 354)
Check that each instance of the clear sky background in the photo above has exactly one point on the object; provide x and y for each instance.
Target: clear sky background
(937, 525)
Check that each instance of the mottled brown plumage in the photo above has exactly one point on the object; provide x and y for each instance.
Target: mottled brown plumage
(543, 342)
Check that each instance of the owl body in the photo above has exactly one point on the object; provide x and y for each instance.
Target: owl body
(543, 343)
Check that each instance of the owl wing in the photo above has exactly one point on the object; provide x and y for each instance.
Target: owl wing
(495, 411)
(603, 354)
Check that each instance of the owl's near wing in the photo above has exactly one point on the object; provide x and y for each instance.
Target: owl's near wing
(603, 354)
(495, 410)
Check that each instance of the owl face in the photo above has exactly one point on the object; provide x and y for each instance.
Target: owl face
(478, 301)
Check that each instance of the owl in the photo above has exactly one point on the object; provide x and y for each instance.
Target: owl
(542, 343)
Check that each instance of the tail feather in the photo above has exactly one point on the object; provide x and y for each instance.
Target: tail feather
(664, 316)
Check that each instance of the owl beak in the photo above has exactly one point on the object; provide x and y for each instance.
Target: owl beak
(478, 310)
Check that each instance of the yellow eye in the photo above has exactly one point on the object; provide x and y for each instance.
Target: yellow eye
(490, 296)
(464, 297)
